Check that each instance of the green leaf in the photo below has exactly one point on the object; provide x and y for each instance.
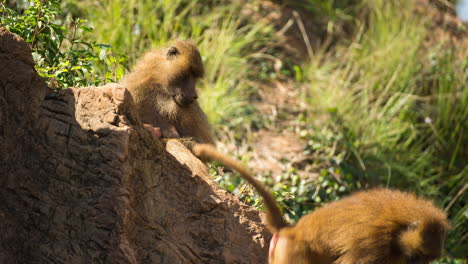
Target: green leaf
(85, 28)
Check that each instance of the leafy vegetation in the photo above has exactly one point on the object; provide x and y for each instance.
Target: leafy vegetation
(380, 105)
(56, 39)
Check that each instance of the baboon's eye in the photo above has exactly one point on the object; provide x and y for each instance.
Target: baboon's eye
(172, 51)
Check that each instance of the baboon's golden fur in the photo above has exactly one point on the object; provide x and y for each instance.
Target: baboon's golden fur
(378, 226)
(162, 85)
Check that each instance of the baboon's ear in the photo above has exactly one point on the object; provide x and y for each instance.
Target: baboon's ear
(171, 52)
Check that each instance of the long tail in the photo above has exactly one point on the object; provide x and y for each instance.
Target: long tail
(275, 219)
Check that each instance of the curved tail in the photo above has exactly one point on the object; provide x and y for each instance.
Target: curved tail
(275, 220)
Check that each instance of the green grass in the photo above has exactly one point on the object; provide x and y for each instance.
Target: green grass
(401, 109)
(368, 85)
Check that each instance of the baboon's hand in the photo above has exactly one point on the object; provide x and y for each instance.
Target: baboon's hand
(155, 131)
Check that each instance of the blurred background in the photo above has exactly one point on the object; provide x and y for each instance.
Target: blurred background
(462, 9)
(319, 97)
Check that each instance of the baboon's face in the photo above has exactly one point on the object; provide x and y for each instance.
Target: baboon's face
(183, 90)
(184, 63)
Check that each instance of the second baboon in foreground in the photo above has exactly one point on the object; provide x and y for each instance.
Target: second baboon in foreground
(163, 87)
(378, 226)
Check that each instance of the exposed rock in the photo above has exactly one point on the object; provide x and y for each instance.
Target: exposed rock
(83, 182)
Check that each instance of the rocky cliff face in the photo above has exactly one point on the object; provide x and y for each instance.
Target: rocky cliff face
(81, 181)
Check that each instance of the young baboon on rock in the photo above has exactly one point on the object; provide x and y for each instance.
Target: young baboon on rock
(378, 226)
(163, 87)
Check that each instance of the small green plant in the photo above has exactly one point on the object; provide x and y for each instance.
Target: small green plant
(57, 46)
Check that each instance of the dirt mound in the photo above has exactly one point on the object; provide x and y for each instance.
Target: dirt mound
(83, 182)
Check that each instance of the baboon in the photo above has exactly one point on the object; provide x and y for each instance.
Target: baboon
(377, 226)
(162, 85)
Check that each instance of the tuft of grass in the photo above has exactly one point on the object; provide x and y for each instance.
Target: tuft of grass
(366, 87)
